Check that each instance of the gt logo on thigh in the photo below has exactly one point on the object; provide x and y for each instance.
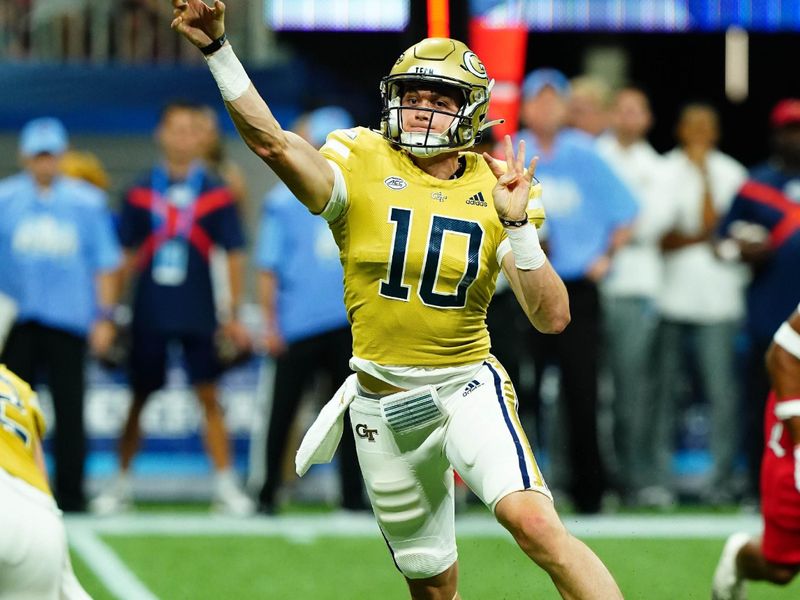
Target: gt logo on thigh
(365, 432)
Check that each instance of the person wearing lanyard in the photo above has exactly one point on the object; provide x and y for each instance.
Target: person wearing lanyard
(170, 220)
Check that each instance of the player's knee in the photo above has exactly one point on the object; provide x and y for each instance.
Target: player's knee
(428, 569)
(542, 537)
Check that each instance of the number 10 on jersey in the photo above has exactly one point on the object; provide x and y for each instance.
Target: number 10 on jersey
(393, 286)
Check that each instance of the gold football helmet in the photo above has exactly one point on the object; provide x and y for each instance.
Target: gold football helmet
(438, 62)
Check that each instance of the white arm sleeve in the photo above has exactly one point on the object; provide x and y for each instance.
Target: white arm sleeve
(338, 200)
(228, 72)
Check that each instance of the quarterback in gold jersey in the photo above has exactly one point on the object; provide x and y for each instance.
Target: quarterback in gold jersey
(424, 227)
(34, 561)
(419, 251)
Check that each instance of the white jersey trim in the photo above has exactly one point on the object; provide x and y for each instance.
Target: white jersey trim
(502, 249)
(338, 147)
(788, 339)
(408, 378)
(338, 201)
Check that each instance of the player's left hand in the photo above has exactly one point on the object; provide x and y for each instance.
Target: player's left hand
(513, 184)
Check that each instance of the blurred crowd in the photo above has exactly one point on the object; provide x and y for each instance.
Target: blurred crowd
(679, 267)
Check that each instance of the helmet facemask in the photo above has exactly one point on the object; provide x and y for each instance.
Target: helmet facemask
(463, 130)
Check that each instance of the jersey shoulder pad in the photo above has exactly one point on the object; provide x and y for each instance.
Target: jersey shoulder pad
(343, 146)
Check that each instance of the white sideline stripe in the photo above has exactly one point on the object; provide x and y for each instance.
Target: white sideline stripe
(106, 565)
(309, 527)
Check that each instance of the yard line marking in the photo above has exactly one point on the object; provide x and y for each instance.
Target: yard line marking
(105, 564)
(306, 528)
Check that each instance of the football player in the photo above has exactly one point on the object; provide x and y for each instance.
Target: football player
(775, 556)
(424, 227)
(34, 560)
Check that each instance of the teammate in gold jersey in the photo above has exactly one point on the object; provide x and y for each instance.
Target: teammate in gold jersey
(34, 561)
(423, 228)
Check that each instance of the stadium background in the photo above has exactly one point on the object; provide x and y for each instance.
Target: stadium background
(66, 58)
(65, 61)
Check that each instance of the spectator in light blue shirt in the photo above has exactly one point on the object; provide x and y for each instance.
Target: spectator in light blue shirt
(60, 254)
(307, 331)
(589, 213)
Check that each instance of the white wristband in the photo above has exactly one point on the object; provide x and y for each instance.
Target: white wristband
(228, 72)
(528, 253)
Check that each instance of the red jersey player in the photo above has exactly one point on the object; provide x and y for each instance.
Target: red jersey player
(776, 556)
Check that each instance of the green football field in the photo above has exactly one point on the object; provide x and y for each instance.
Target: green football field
(330, 556)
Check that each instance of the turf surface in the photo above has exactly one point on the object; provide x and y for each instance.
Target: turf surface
(213, 567)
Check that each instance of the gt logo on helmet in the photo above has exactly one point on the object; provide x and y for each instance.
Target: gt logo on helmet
(474, 65)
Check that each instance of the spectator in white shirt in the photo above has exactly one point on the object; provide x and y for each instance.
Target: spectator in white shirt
(630, 291)
(701, 301)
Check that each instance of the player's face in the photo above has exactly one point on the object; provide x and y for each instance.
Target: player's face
(179, 137)
(698, 127)
(206, 127)
(787, 144)
(545, 113)
(423, 108)
(42, 167)
(587, 113)
(631, 114)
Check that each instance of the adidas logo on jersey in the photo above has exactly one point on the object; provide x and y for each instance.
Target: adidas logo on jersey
(471, 387)
(477, 200)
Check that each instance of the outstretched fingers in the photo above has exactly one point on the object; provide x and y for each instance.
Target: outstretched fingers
(530, 173)
(515, 163)
(493, 165)
(520, 164)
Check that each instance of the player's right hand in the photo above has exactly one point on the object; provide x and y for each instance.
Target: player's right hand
(511, 193)
(199, 23)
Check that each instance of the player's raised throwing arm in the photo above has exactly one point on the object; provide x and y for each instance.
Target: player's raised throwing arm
(538, 288)
(304, 170)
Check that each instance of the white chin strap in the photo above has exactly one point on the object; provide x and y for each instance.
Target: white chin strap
(424, 144)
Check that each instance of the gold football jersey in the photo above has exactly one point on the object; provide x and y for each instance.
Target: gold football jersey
(419, 253)
(21, 423)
